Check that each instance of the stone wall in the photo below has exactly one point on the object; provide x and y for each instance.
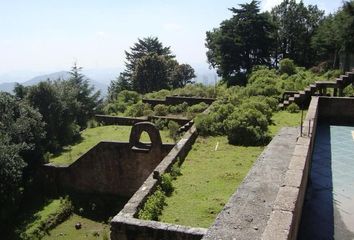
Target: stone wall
(175, 100)
(115, 120)
(336, 110)
(125, 225)
(111, 167)
(285, 218)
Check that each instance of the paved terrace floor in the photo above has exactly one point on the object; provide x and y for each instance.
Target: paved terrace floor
(246, 214)
(328, 211)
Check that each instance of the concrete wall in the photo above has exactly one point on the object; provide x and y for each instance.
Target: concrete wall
(126, 226)
(285, 218)
(336, 110)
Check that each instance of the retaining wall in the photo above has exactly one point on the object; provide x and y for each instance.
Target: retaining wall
(125, 225)
(175, 100)
(285, 218)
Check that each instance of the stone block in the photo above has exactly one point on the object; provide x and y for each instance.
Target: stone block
(293, 178)
(297, 163)
(286, 199)
(279, 226)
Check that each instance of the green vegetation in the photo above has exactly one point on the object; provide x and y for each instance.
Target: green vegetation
(208, 179)
(211, 172)
(90, 230)
(150, 67)
(91, 136)
(52, 214)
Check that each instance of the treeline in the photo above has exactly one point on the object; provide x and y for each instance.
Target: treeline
(37, 121)
(290, 30)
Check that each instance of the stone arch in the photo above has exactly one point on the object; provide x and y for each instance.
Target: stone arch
(153, 133)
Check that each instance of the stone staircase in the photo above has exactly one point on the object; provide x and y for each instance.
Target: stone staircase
(319, 88)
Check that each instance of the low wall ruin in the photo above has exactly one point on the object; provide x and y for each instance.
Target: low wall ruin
(110, 167)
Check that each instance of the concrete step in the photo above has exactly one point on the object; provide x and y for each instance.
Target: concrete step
(281, 106)
(291, 99)
(286, 103)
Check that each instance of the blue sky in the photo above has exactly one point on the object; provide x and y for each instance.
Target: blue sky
(49, 35)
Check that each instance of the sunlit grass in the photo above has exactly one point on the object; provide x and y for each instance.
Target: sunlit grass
(92, 136)
(211, 175)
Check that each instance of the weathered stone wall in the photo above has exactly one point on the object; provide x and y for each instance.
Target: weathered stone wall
(130, 121)
(125, 225)
(111, 167)
(175, 100)
(115, 120)
(336, 110)
(285, 218)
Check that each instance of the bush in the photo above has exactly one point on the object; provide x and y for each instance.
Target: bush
(160, 123)
(130, 97)
(293, 108)
(247, 126)
(137, 110)
(161, 110)
(166, 184)
(197, 108)
(287, 66)
(173, 130)
(180, 108)
(162, 94)
(153, 206)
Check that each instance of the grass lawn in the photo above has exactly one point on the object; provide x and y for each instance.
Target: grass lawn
(210, 176)
(89, 230)
(285, 119)
(208, 179)
(48, 209)
(92, 136)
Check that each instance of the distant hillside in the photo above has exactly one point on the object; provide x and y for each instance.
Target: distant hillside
(63, 75)
(7, 86)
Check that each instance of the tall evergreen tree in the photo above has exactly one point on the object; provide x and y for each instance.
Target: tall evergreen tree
(241, 42)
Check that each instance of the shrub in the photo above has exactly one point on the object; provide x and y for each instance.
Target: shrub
(173, 130)
(293, 108)
(160, 123)
(161, 110)
(180, 108)
(130, 97)
(137, 110)
(153, 206)
(247, 126)
(197, 108)
(162, 94)
(287, 66)
(166, 183)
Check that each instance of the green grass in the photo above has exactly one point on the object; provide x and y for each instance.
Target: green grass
(49, 209)
(91, 136)
(89, 230)
(284, 119)
(210, 177)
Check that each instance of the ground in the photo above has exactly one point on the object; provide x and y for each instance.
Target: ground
(211, 172)
(90, 230)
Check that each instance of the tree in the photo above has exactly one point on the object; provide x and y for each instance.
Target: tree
(87, 101)
(335, 36)
(296, 24)
(21, 134)
(241, 42)
(149, 62)
(151, 74)
(182, 75)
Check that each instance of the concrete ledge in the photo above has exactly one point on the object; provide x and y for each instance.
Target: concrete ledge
(287, 209)
(279, 225)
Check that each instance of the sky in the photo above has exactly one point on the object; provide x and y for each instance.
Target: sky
(50, 35)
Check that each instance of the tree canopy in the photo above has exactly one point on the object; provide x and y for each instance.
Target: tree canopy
(241, 42)
(150, 66)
